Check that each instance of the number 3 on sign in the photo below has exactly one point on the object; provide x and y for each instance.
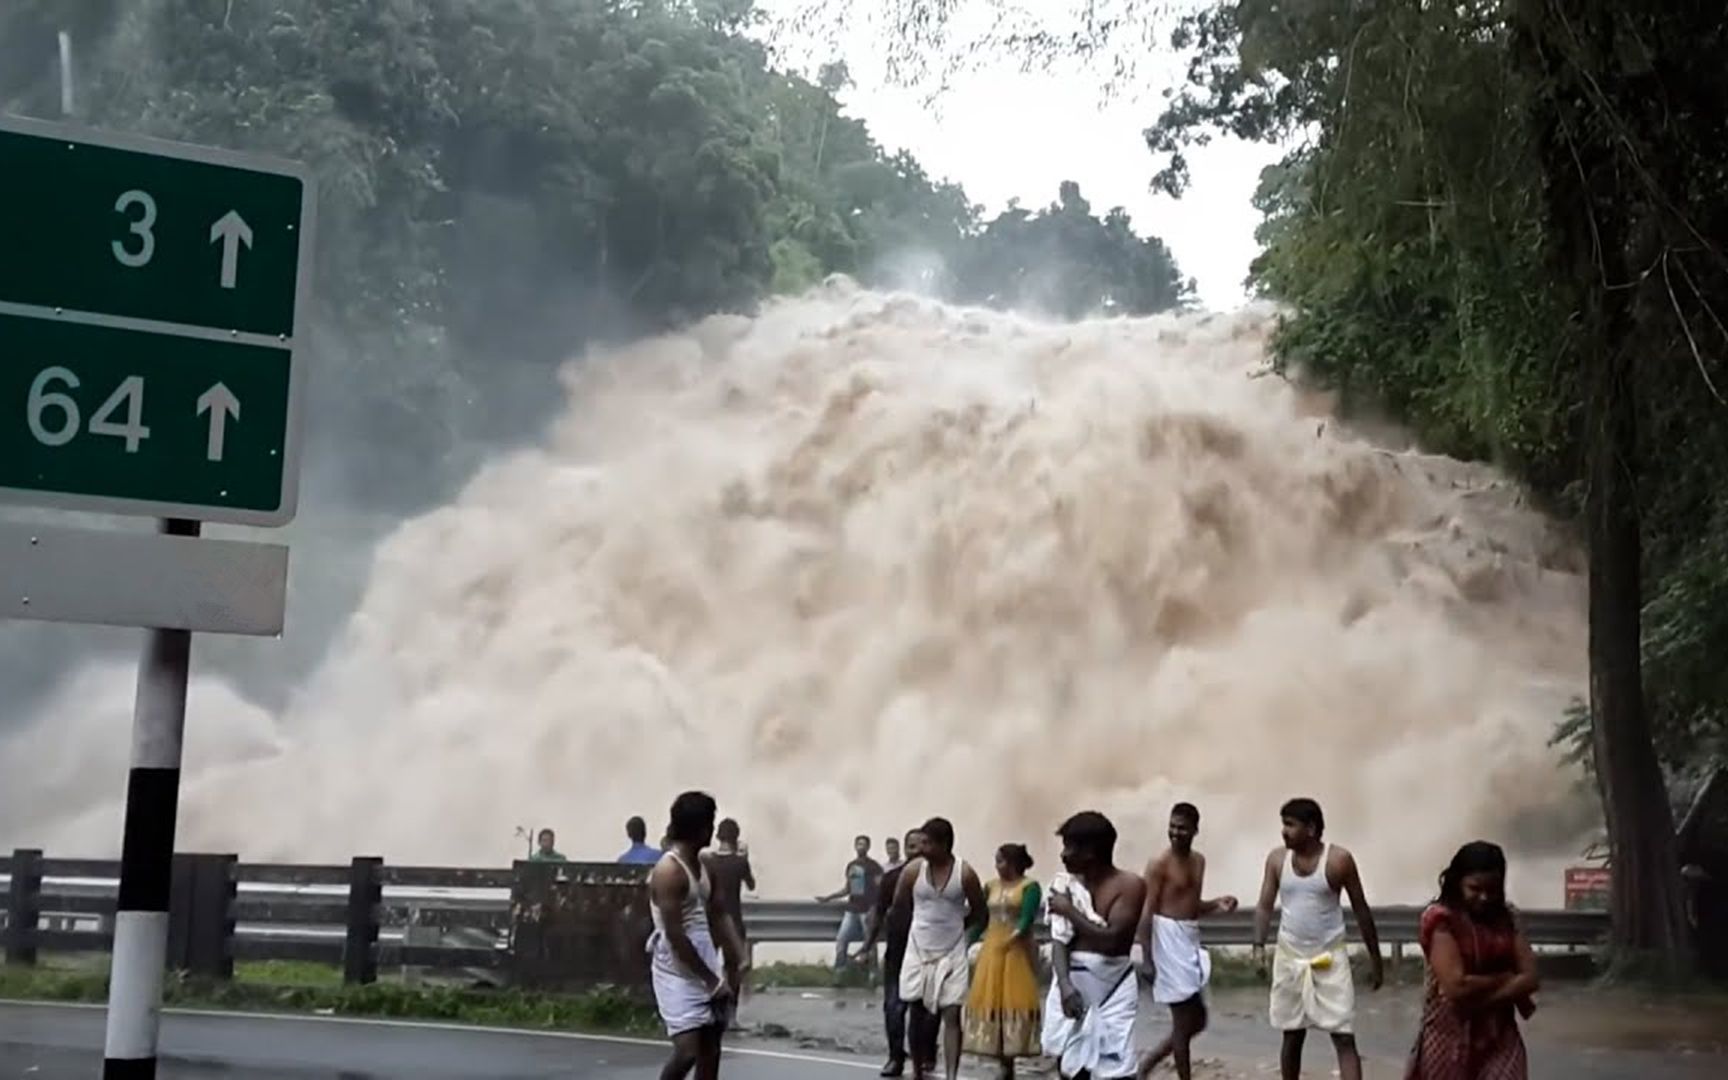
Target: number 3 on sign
(130, 393)
(140, 226)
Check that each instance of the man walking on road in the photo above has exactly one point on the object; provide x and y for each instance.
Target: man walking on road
(696, 956)
(1095, 908)
(862, 885)
(1312, 985)
(1177, 966)
(943, 898)
(897, 924)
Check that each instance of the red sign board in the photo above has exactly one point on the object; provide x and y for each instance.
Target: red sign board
(1587, 888)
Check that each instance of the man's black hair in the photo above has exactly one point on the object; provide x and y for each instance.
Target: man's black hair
(1188, 812)
(545, 832)
(939, 831)
(692, 816)
(1090, 831)
(637, 830)
(1306, 811)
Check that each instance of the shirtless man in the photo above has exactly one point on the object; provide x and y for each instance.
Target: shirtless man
(1095, 909)
(1312, 986)
(728, 865)
(1175, 965)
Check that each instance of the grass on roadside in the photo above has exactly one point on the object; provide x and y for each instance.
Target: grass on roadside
(318, 988)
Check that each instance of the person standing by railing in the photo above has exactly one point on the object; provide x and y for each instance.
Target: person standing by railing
(638, 853)
(860, 888)
(729, 865)
(545, 849)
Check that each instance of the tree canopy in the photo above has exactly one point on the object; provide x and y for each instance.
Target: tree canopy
(502, 181)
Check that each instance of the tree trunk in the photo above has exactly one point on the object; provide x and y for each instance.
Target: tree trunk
(1591, 211)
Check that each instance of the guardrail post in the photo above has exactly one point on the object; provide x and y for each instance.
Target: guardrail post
(180, 889)
(365, 890)
(211, 930)
(24, 906)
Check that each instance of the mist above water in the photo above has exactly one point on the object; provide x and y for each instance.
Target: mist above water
(868, 558)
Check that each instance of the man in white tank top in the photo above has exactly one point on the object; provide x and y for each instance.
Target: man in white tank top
(697, 955)
(944, 897)
(1312, 985)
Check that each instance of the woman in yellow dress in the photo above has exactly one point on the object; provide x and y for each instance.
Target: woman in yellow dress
(1003, 1012)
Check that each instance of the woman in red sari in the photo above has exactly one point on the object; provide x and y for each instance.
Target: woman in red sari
(1481, 976)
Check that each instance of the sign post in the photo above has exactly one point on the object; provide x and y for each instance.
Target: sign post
(151, 296)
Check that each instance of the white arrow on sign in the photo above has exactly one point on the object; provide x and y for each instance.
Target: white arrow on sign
(233, 231)
(222, 405)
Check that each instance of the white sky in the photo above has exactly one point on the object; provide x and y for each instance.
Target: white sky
(1004, 134)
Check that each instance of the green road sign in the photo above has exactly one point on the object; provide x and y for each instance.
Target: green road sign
(149, 299)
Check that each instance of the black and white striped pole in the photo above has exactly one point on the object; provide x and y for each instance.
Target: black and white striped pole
(147, 850)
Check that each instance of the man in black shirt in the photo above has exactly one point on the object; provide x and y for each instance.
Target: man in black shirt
(897, 924)
(860, 891)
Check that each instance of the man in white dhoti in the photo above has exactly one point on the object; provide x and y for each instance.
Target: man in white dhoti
(1175, 963)
(944, 897)
(1312, 985)
(695, 980)
(1089, 1018)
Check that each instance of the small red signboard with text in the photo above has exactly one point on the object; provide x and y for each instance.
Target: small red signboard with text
(1587, 888)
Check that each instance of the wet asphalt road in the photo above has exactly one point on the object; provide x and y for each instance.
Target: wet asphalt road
(42, 1042)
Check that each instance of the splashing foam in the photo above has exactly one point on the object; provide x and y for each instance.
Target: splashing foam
(867, 558)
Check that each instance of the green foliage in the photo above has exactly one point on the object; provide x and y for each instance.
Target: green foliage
(1067, 262)
(503, 181)
(1409, 237)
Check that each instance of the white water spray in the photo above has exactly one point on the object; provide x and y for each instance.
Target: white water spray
(868, 558)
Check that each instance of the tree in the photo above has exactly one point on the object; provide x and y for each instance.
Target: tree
(1066, 262)
(1586, 108)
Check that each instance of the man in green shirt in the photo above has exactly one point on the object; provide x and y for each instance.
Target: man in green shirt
(546, 852)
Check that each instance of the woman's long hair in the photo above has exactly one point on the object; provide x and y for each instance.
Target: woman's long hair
(1476, 857)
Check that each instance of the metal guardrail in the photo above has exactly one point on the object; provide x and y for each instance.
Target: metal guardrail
(317, 913)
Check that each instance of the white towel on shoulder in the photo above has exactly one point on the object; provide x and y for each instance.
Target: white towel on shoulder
(1065, 884)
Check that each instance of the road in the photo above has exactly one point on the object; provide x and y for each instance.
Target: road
(55, 1042)
(1581, 1033)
